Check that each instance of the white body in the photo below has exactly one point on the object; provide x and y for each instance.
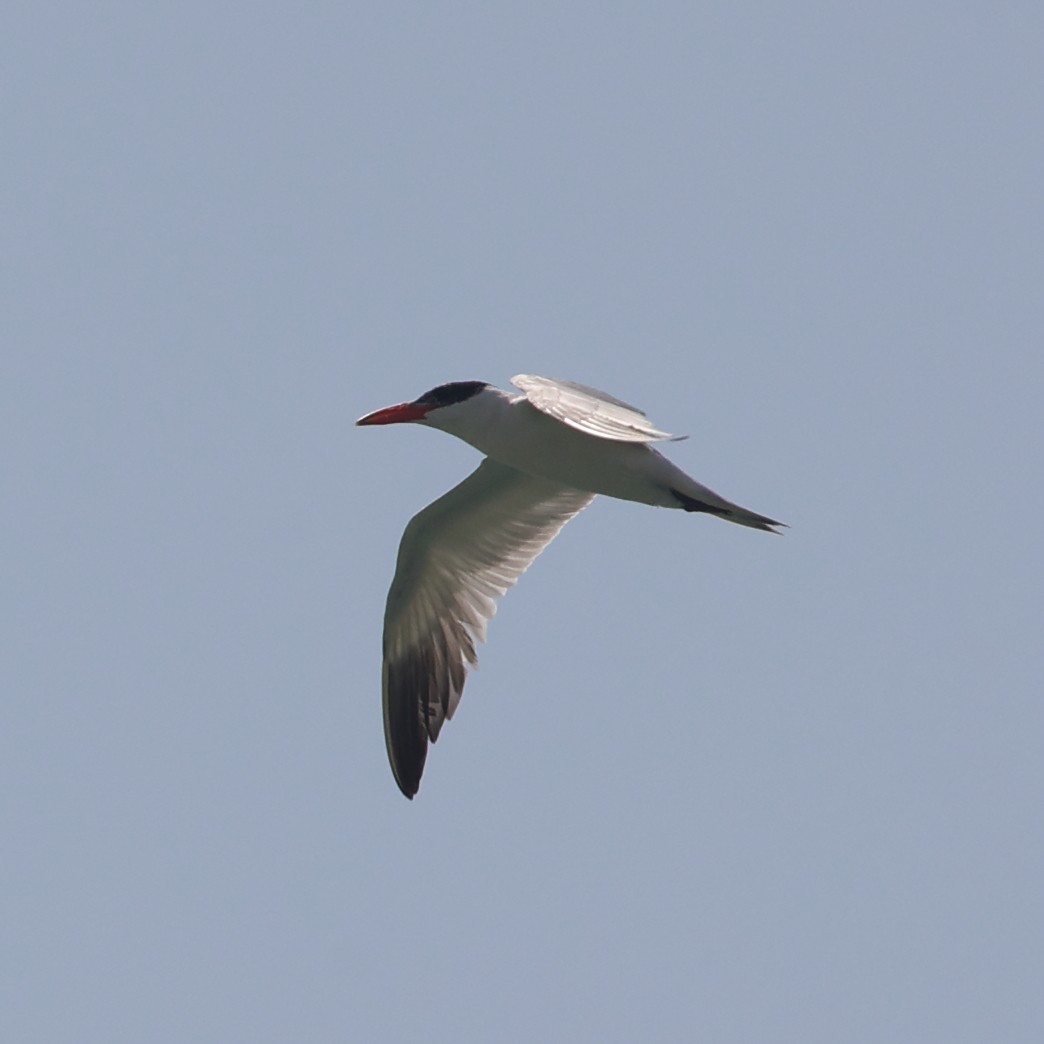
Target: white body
(511, 430)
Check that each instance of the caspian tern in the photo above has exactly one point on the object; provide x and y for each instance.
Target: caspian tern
(547, 453)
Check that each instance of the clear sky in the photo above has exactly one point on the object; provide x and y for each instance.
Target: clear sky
(708, 784)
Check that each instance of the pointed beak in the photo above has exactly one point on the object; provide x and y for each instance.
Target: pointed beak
(400, 414)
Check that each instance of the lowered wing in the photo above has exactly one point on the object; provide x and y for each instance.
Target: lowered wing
(457, 556)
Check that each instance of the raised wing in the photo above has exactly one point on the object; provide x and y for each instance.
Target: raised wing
(589, 410)
(457, 556)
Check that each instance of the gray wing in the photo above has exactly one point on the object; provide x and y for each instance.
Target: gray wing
(457, 556)
(589, 410)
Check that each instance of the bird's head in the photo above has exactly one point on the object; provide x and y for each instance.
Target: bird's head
(437, 408)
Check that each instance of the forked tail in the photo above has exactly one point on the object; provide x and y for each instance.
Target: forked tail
(715, 505)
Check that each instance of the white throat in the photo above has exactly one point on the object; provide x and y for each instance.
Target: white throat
(474, 420)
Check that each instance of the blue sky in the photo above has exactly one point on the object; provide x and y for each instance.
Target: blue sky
(706, 784)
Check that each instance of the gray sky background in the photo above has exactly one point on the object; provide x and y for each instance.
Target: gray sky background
(707, 784)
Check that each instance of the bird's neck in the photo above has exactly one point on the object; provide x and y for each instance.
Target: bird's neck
(481, 421)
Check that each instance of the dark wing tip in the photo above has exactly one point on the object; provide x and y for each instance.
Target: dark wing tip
(404, 731)
(407, 750)
(422, 686)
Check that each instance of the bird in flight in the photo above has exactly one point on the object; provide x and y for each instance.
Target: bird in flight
(548, 452)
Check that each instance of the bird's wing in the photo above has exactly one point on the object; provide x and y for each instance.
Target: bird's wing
(589, 410)
(456, 557)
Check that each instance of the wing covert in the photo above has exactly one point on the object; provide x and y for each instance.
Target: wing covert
(589, 410)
